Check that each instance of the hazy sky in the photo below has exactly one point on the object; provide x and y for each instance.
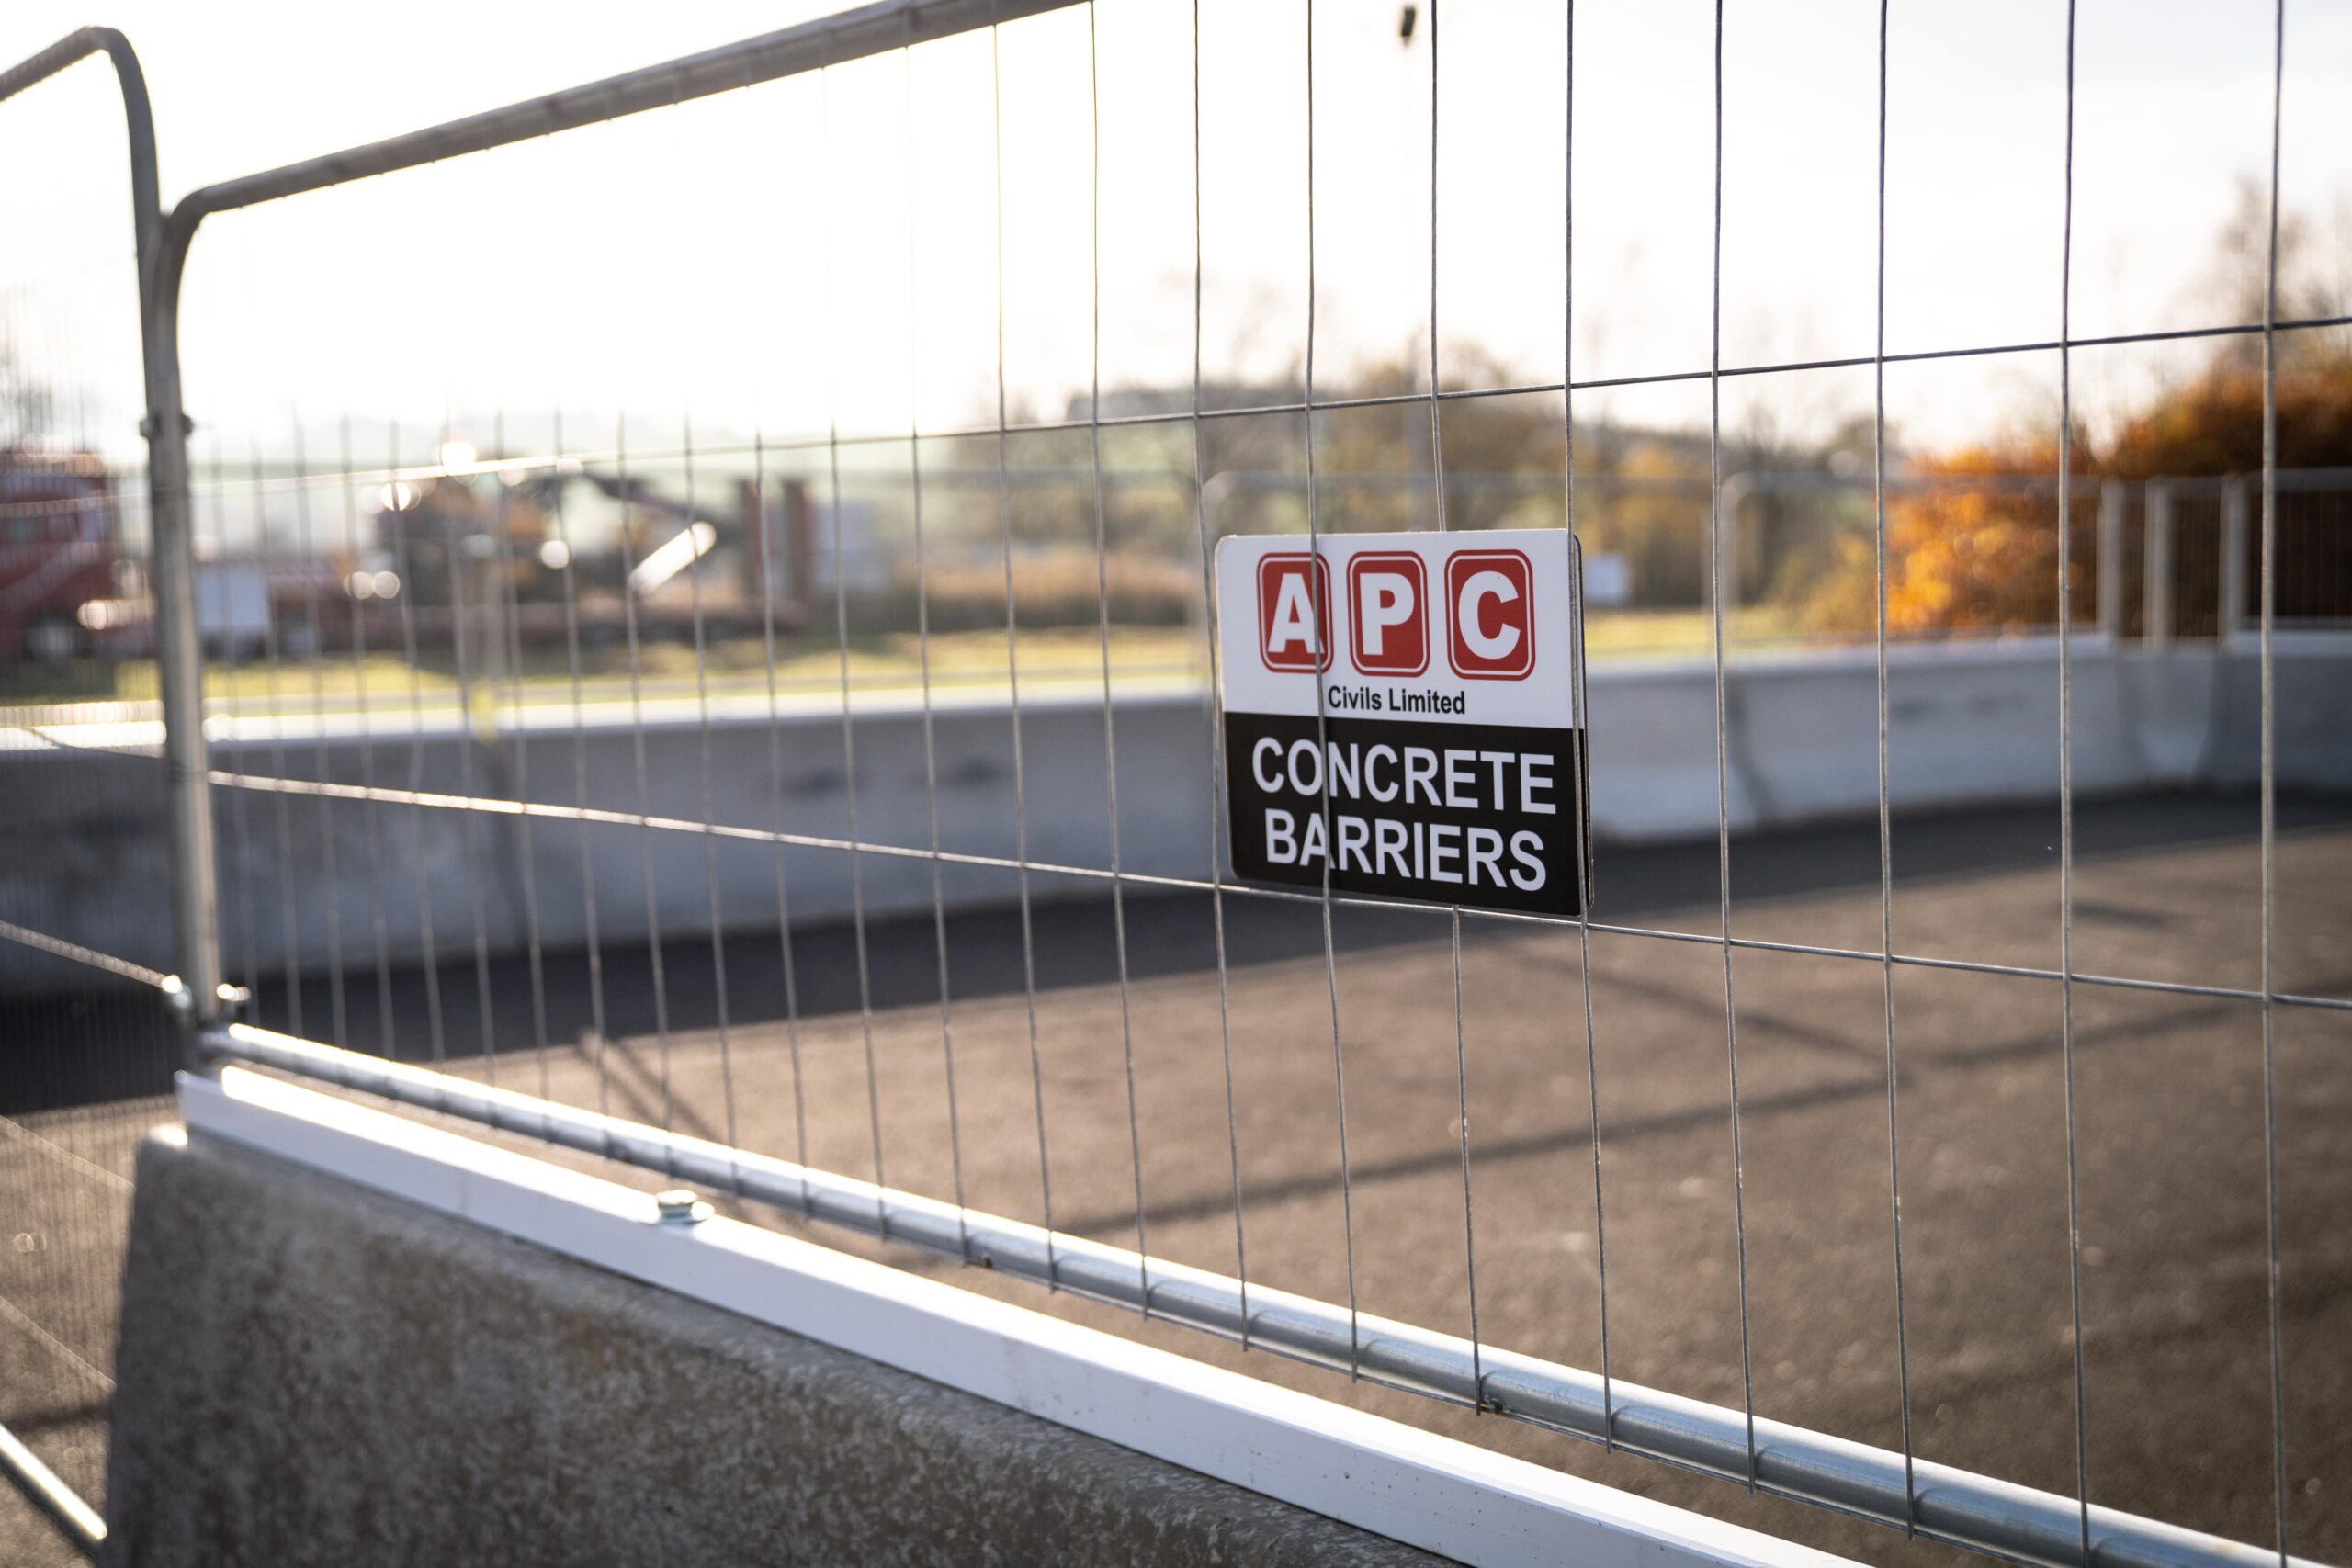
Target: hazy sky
(748, 257)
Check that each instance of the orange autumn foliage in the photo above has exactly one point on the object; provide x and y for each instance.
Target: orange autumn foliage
(1976, 550)
(1962, 555)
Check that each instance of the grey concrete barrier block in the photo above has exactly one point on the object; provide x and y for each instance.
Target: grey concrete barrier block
(82, 832)
(311, 1372)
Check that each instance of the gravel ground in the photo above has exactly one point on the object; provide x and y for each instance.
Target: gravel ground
(2169, 1108)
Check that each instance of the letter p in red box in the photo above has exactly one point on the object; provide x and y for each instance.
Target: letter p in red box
(1388, 615)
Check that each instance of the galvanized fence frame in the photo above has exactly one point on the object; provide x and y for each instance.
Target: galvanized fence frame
(1932, 1501)
(165, 430)
(179, 665)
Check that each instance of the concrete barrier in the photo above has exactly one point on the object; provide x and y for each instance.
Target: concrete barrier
(81, 827)
(350, 1339)
(313, 1374)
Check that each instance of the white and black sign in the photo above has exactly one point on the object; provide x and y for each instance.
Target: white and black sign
(1400, 712)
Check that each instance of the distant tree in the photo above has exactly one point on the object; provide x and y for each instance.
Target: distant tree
(1643, 496)
(2213, 424)
(1972, 552)
(27, 405)
(1977, 550)
(1502, 454)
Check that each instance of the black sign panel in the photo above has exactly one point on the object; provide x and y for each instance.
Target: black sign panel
(1472, 814)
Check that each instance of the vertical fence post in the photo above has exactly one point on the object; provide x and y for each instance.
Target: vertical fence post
(2157, 611)
(2110, 561)
(179, 645)
(2233, 545)
(1731, 499)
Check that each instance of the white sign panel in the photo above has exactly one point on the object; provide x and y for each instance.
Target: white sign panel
(1400, 715)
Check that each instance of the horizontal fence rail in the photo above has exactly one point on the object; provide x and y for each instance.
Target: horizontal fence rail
(837, 39)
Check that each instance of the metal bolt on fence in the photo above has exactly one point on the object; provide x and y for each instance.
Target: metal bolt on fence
(681, 1206)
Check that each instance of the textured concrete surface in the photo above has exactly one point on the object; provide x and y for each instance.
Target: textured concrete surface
(312, 1374)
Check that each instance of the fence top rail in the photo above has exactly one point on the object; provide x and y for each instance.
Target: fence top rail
(139, 116)
(71, 50)
(789, 52)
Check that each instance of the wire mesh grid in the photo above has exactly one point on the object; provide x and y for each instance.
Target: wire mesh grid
(768, 792)
(88, 1043)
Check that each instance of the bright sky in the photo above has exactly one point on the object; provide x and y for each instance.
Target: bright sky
(749, 258)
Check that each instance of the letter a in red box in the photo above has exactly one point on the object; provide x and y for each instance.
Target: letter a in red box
(1388, 617)
(1291, 616)
(1491, 632)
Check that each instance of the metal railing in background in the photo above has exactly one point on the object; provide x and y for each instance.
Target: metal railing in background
(483, 626)
(2159, 561)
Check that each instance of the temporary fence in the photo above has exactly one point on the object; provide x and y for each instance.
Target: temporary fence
(733, 581)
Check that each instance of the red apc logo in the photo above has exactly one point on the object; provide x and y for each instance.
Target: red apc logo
(1293, 606)
(1388, 621)
(1491, 635)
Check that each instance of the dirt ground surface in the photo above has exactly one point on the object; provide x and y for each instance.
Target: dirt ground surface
(2169, 1149)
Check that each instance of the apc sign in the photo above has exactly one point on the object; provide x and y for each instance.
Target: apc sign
(1400, 715)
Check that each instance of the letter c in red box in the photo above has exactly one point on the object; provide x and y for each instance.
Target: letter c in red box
(1388, 615)
(1293, 606)
(1490, 632)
